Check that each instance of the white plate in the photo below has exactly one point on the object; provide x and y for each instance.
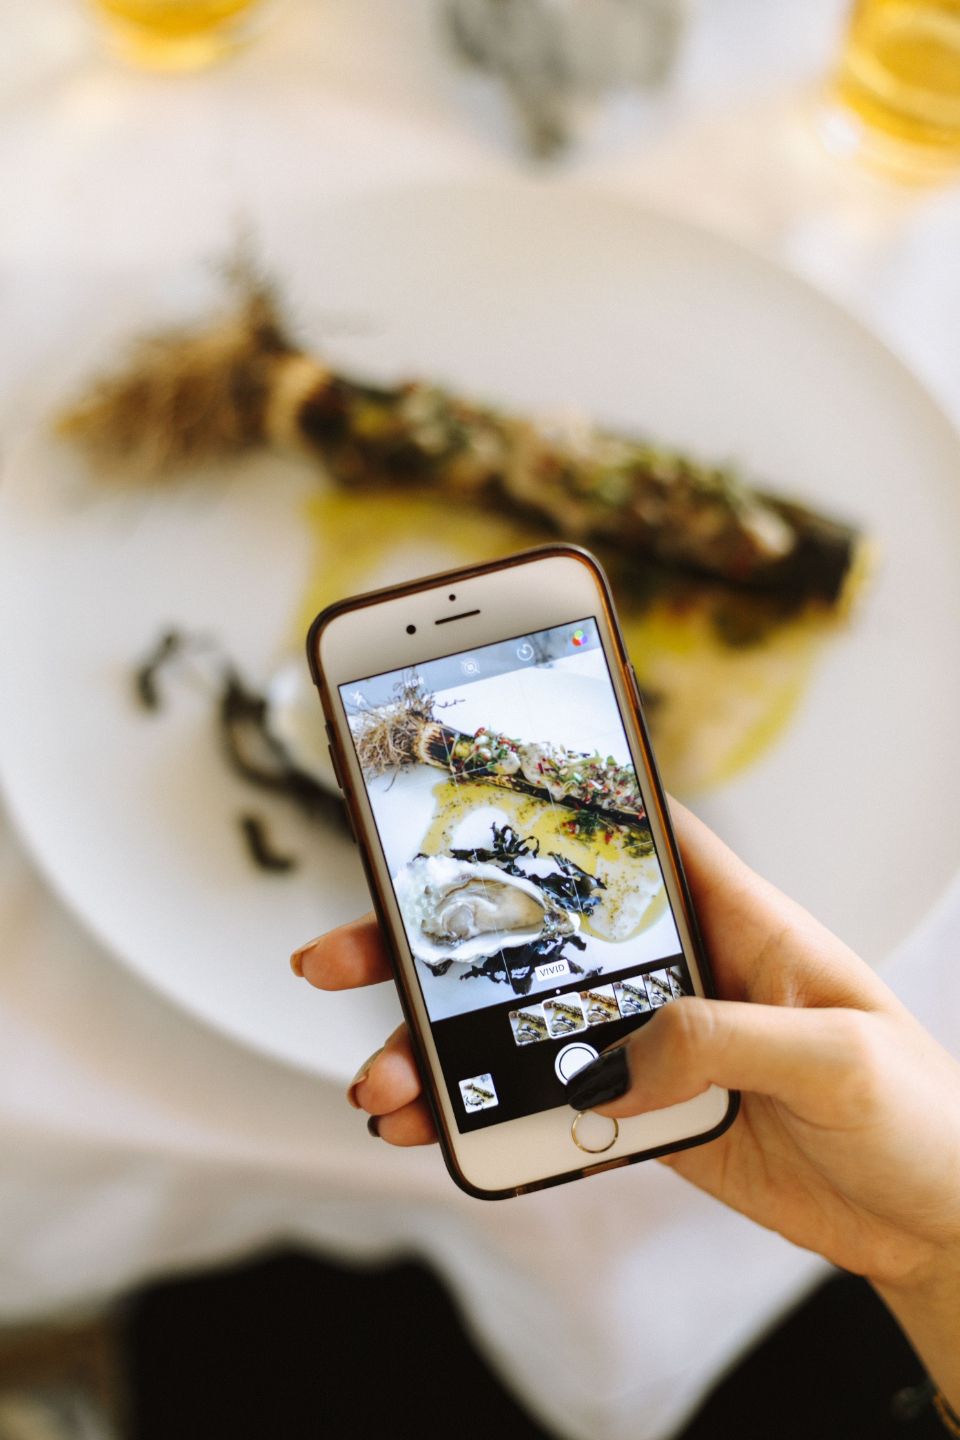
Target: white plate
(542, 298)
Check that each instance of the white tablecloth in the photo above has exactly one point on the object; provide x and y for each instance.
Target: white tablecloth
(134, 1141)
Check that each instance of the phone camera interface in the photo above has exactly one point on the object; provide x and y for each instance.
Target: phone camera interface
(515, 833)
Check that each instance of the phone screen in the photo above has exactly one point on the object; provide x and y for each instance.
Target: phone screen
(515, 833)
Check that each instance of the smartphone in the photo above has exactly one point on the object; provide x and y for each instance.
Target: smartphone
(487, 733)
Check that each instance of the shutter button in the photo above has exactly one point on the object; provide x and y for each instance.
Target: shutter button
(573, 1058)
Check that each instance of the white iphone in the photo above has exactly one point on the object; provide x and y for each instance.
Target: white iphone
(487, 733)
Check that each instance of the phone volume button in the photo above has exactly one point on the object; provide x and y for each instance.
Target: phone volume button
(336, 767)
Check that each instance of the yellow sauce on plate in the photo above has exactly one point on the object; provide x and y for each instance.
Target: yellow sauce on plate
(633, 897)
(716, 709)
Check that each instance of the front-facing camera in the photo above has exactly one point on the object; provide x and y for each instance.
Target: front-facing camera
(411, 629)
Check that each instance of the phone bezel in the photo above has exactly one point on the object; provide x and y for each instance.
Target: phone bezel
(533, 590)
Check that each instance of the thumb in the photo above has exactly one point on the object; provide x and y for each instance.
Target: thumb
(792, 1055)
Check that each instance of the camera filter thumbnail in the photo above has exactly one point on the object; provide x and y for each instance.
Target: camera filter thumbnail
(529, 1025)
(478, 1093)
(676, 982)
(564, 1015)
(600, 1005)
(659, 988)
(632, 996)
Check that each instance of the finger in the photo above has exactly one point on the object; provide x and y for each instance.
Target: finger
(345, 958)
(799, 1057)
(743, 918)
(712, 868)
(412, 1125)
(389, 1080)
(762, 944)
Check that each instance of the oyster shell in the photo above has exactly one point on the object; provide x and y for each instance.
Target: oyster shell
(462, 910)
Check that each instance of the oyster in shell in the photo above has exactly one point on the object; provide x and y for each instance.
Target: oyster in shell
(463, 909)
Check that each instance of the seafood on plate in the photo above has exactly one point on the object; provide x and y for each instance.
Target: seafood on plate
(406, 732)
(458, 910)
(241, 380)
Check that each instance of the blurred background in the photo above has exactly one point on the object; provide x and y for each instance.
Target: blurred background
(724, 232)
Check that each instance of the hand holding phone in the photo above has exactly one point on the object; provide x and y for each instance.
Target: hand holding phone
(850, 1135)
(850, 1128)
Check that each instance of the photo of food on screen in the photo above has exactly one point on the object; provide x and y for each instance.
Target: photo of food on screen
(514, 830)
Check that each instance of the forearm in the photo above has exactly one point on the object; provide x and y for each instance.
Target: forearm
(929, 1315)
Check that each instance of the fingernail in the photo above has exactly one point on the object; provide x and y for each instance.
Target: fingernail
(603, 1079)
(373, 1126)
(358, 1080)
(296, 959)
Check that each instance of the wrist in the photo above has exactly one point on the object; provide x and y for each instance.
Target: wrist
(927, 1308)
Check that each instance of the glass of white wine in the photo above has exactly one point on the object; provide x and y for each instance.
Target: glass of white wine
(179, 34)
(896, 91)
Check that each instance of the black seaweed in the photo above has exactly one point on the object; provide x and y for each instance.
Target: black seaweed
(517, 965)
(508, 847)
(260, 846)
(258, 757)
(571, 886)
(438, 967)
(255, 755)
(170, 646)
